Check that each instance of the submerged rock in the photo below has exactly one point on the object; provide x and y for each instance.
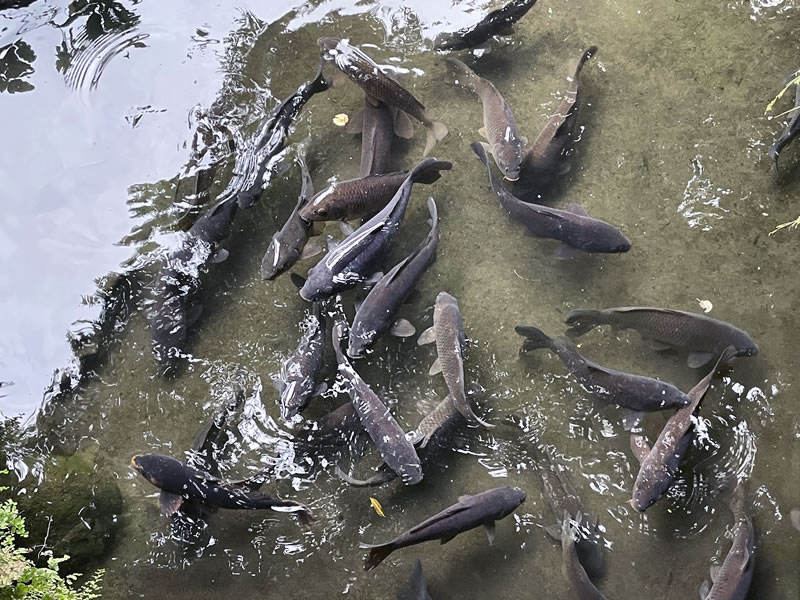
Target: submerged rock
(73, 511)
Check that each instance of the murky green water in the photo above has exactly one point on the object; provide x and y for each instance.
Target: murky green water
(673, 151)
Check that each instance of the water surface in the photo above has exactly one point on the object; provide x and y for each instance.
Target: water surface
(673, 150)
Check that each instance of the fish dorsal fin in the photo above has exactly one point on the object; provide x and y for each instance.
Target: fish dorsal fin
(714, 572)
(705, 588)
(445, 514)
(402, 328)
(169, 503)
(695, 360)
(577, 209)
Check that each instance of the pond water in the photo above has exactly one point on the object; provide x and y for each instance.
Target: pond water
(101, 103)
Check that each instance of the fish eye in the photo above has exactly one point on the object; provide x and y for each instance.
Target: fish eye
(322, 212)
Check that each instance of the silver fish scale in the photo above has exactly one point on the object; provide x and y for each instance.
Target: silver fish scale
(443, 412)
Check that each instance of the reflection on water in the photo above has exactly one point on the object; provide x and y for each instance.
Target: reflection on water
(16, 64)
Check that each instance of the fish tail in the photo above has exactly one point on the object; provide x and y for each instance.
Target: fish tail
(430, 171)
(377, 554)
(577, 65)
(535, 338)
(581, 321)
(319, 83)
(436, 133)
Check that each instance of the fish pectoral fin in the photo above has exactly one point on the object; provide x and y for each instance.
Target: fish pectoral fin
(448, 537)
(402, 328)
(632, 419)
(491, 531)
(221, 255)
(169, 503)
(656, 345)
(312, 248)
(403, 127)
(695, 360)
(321, 389)
(483, 133)
(566, 252)
(705, 588)
(355, 125)
(554, 531)
(426, 337)
(714, 572)
(317, 227)
(507, 29)
(346, 228)
(436, 368)
(370, 281)
(639, 447)
(464, 498)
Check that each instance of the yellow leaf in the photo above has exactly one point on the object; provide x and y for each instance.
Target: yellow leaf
(376, 506)
(341, 120)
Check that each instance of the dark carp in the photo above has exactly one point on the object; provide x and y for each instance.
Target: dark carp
(468, 513)
(297, 381)
(732, 579)
(363, 197)
(545, 160)
(429, 436)
(497, 22)
(255, 158)
(355, 258)
(660, 464)
(788, 135)
(705, 338)
(634, 392)
(389, 438)
(378, 311)
(179, 483)
(574, 228)
(290, 243)
(451, 343)
(368, 75)
(176, 303)
(378, 124)
(580, 585)
(499, 126)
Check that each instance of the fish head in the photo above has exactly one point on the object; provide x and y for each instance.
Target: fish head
(508, 158)
(411, 473)
(148, 467)
(510, 499)
(328, 45)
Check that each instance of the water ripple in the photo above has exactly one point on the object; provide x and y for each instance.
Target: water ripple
(91, 58)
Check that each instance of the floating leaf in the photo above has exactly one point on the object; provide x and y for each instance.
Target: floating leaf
(341, 120)
(705, 305)
(376, 506)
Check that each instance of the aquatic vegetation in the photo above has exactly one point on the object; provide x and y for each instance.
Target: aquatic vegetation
(19, 575)
(790, 225)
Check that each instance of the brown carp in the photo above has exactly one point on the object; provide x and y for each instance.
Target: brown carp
(705, 338)
(448, 333)
(368, 75)
(363, 197)
(499, 126)
(545, 160)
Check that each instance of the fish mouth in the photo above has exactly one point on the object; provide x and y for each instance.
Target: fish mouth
(507, 178)
(133, 462)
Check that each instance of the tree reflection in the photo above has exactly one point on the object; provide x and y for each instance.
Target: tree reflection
(90, 20)
(16, 63)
